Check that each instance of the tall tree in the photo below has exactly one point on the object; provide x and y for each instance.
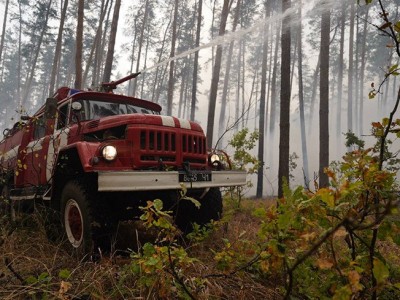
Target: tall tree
(4, 29)
(221, 123)
(238, 85)
(32, 70)
(350, 72)
(261, 123)
(362, 69)
(19, 65)
(340, 75)
(160, 70)
(111, 42)
(356, 100)
(57, 53)
(196, 62)
(314, 91)
(100, 46)
(171, 79)
(89, 61)
(301, 96)
(79, 45)
(284, 125)
(274, 93)
(324, 99)
(215, 77)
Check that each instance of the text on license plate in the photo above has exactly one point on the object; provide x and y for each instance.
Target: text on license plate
(193, 177)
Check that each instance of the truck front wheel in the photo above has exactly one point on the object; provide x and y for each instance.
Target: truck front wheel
(210, 209)
(76, 218)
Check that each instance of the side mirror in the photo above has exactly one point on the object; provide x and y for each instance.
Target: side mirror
(25, 118)
(50, 108)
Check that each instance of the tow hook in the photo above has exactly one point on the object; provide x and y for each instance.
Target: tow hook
(186, 168)
(161, 165)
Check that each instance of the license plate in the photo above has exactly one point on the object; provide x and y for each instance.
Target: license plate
(195, 177)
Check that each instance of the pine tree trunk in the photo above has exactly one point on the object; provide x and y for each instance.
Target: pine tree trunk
(78, 47)
(132, 58)
(171, 79)
(350, 73)
(89, 62)
(215, 77)
(99, 56)
(324, 100)
(141, 38)
(237, 96)
(294, 58)
(19, 79)
(143, 76)
(356, 114)
(362, 70)
(57, 53)
(261, 123)
(243, 85)
(36, 55)
(222, 127)
(313, 101)
(284, 126)
(4, 29)
(196, 62)
(301, 100)
(340, 71)
(188, 90)
(181, 90)
(274, 97)
(156, 80)
(111, 42)
(160, 84)
(212, 32)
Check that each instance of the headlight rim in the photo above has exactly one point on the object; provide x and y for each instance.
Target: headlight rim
(110, 154)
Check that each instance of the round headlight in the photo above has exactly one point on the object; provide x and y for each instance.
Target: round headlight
(214, 158)
(109, 153)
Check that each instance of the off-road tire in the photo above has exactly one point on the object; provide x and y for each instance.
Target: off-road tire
(76, 218)
(211, 207)
(187, 213)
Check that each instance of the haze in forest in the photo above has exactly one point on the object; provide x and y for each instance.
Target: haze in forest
(150, 32)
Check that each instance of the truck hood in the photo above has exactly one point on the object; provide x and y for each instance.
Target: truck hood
(136, 119)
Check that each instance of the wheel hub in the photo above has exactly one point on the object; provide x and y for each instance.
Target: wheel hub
(73, 223)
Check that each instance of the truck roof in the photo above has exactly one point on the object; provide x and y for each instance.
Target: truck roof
(64, 94)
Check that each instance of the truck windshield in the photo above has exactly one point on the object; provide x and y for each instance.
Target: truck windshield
(99, 109)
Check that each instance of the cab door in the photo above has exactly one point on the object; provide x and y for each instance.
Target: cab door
(58, 140)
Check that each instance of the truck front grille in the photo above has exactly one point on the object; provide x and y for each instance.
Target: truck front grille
(157, 140)
(193, 144)
(170, 147)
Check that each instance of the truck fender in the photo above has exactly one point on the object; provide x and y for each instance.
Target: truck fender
(72, 163)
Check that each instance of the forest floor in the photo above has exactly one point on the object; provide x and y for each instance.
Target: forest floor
(31, 267)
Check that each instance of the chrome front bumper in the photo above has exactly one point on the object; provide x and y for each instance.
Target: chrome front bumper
(149, 181)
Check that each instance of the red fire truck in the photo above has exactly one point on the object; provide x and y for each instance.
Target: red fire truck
(95, 157)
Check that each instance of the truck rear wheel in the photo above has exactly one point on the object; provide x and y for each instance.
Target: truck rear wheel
(5, 203)
(77, 219)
